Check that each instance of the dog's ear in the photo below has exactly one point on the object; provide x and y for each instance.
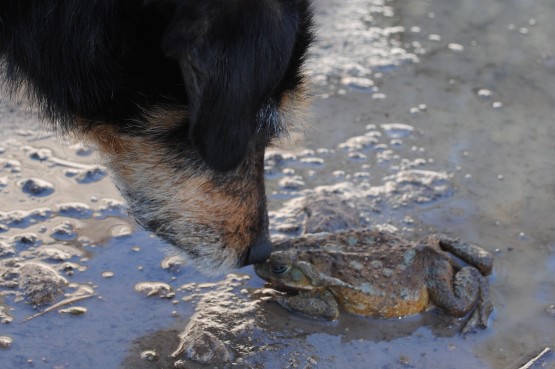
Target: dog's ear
(233, 55)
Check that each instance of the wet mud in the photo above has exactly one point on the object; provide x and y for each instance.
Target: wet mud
(427, 117)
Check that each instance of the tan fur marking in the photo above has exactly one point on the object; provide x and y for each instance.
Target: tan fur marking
(166, 117)
(237, 222)
(106, 138)
(191, 208)
(293, 110)
(215, 207)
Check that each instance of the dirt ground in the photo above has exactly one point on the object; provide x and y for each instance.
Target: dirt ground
(432, 116)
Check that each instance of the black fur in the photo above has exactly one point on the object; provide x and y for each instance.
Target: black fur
(99, 61)
(182, 96)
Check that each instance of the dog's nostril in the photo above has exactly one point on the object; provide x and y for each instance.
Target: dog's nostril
(260, 250)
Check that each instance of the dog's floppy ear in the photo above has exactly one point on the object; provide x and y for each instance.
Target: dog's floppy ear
(233, 54)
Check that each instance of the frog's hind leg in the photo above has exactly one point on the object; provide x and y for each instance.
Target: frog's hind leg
(456, 293)
(459, 292)
(467, 252)
(484, 307)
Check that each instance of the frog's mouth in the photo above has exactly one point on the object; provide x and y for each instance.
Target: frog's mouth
(290, 290)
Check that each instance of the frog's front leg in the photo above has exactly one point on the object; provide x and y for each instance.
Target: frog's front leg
(316, 304)
(457, 293)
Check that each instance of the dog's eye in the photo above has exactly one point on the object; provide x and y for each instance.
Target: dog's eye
(279, 269)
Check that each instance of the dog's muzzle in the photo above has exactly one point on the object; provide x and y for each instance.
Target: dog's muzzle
(260, 250)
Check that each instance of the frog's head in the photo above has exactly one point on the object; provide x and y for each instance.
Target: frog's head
(282, 270)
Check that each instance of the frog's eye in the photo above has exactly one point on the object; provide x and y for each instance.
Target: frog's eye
(279, 268)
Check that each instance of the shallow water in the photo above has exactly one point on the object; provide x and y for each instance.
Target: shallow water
(430, 116)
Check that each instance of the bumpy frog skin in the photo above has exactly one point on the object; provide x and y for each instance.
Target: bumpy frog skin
(376, 274)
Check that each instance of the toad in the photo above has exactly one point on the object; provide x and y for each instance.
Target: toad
(377, 274)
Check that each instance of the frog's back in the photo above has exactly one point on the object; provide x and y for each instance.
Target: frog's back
(383, 274)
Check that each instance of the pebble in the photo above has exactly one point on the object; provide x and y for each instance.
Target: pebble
(82, 150)
(91, 175)
(397, 130)
(154, 288)
(54, 253)
(404, 360)
(357, 156)
(75, 210)
(121, 231)
(14, 166)
(173, 262)
(74, 310)
(180, 364)
(205, 348)
(112, 208)
(6, 249)
(37, 187)
(108, 274)
(455, 47)
(26, 240)
(484, 93)
(40, 154)
(149, 355)
(40, 283)
(312, 162)
(292, 184)
(5, 342)
(64, 232)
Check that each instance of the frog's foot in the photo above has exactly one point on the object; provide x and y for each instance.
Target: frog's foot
(469, 253)
(484, 307)
(265, 294)
(315, 304)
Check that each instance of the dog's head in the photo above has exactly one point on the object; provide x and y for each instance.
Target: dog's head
(240, 61)
(195, 174)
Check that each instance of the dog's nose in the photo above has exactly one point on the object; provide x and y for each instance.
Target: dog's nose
(260, 250)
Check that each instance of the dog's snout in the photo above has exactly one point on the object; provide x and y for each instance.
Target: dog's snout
(260, 250)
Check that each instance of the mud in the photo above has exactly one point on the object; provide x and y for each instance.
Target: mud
(427, 117)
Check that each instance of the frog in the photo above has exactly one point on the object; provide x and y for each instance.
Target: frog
(375, 273)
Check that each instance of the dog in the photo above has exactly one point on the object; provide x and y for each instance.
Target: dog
(181, 97)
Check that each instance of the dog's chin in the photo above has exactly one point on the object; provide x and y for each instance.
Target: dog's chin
(219, 221)
(216, 245)
(207, 252)
(215, 259)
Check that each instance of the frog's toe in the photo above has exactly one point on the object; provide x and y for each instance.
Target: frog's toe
(478, 319)
(472, 324)
(484, 307)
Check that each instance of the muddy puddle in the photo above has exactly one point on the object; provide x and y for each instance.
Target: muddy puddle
(428, 116)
